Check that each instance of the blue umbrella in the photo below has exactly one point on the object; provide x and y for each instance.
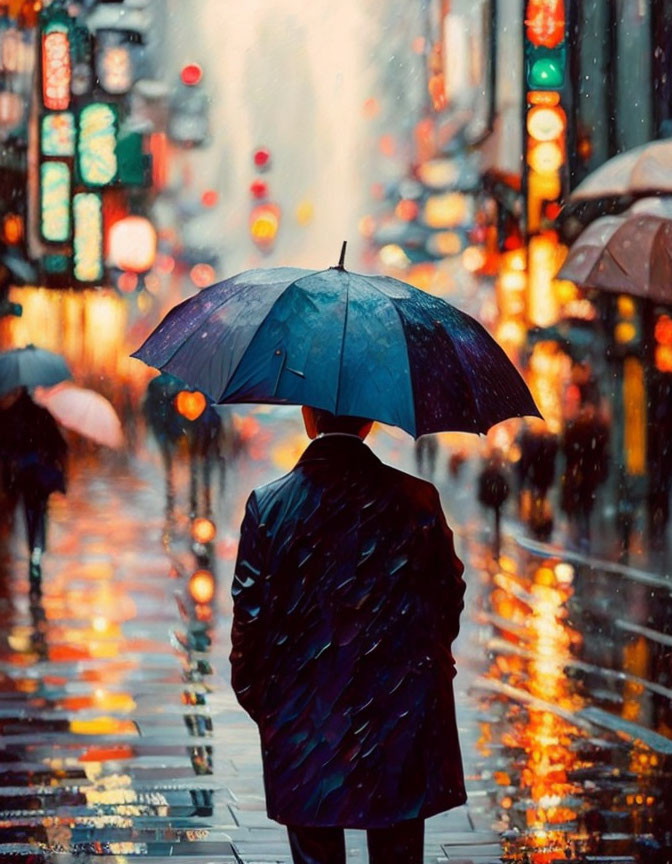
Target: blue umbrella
(363, 346)
(31, 367)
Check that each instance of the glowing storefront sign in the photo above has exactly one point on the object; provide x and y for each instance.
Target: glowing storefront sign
(132, 243)
(115, 68)
(97, 144)
(55, 201)
(58, 134)
(88, 216)
(56, 70)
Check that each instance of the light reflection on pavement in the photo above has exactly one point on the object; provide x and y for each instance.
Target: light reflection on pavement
(121, 737)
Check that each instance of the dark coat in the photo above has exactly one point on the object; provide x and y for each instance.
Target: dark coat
(347, 596)
(32, 450)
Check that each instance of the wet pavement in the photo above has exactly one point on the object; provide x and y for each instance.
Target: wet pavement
(121, 736)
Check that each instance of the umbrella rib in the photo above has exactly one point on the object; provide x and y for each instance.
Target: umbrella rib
(408, 356)
(345, 327)
(256, 332)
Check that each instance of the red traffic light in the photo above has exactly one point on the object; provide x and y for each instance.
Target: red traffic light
(191, 74)
(262, 158)
(259, 189)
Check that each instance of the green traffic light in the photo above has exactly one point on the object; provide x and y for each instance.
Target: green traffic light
(546, 73)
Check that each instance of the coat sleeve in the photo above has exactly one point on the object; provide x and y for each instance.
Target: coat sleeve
(247, 633)
(451, 585)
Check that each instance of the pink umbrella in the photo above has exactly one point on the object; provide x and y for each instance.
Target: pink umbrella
(83, 411)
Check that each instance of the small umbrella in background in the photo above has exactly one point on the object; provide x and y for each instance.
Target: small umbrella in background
(363, 346)
(31, 367)
(83, 411)
(640, 171)
(629, 254)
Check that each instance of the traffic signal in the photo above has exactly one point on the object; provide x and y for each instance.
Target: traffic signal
(545, 52)
(662, 333)
(627, 326)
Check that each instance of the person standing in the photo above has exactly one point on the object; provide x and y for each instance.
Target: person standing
(32, 462)
(347, 595)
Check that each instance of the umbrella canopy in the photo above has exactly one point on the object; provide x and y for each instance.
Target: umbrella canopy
(366, 346)
(642, 170)
(31, 367)
(630, 254)
(83, 411)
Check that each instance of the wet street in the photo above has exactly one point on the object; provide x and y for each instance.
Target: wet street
(121, 736)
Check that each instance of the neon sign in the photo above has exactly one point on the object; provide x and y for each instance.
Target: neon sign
(88, 215)
(58, 134)
(56, 70)
(97, 144)
(55, 201)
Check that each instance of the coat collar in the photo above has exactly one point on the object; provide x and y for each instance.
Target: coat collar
(335, 447)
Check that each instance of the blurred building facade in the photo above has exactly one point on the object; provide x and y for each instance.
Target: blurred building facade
(90, 124)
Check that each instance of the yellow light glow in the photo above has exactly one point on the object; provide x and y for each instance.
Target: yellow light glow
(305, 212)
(392, 255)
(514, 280)
(625, 332)
(543, 306)
(203, 530)
(446, 211)
(546, 157)
(100, 624)
(545, 123)
(515, 260)
(544, 185)
(473, 258)
(626, 306)
(634, 408)
(202, 586)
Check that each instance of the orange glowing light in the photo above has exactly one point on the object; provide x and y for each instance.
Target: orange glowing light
(190, 404)
(203, 530)
(386, 145)
(663, 358)
(127, 282)
(202, 586)
(209, 198)
(114, 753)
(663, 330)
(406, 210)
(545, 22)
(543, 97)
(202, 275)
(371, 107)
(12, 228)
(165, 263)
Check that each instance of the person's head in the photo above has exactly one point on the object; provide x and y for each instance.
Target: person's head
(319, 422)
(8, 399)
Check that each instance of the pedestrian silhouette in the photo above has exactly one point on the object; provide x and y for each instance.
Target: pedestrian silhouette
(493, 490)
(585, 447)
(347, 596)
(32, 466)
(536, 470)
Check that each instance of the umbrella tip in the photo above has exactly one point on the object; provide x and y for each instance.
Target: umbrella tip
(341, 260)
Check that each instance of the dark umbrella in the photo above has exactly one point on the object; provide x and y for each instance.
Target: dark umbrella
(630, 254)
(31, 367)
(366, 346)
